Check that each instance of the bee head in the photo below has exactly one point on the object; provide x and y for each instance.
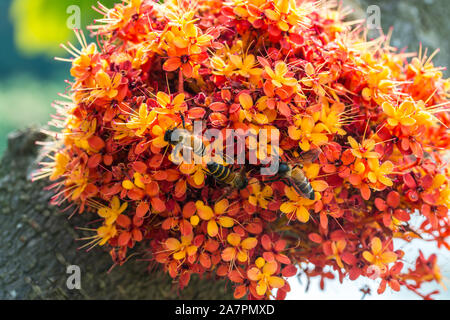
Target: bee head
(283, 168)
(211, 166)
(242, 183)
(168, 135)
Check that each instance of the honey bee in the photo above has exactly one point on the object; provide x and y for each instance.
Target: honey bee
(237, 180)
(184, 138)
(293, 176)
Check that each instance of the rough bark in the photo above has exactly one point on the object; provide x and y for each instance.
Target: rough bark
(38, 243)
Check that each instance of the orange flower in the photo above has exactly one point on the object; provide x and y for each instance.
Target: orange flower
(86, 63)
(107, 87)
(188, 63)
(169, 104)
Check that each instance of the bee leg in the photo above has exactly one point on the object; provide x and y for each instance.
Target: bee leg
(183, 120)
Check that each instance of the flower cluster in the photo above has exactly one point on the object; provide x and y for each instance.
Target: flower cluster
(377, 119)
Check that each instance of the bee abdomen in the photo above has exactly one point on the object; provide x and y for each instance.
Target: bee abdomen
(189, 140)
(305, 186)
(198, 147)
(219, 171)
(308, 190)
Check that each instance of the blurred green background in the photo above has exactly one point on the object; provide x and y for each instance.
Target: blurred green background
(30, 34)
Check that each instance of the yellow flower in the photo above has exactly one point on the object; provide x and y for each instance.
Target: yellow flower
(378, 82)
(286, 14)
(379, 173)
(245, 65)
(278, 75)
(80, 136)
(111, 213)
(258, 196)
(315, 80)
(185, 34)
(77, 181)
(251, 111)
(142, 120)
(196, 171)
(138, 182)
(214, 217)
(159, 130)
(239, 248)
(60, 166)
(105, 233)
(263, 274)
(379, 256)
(425, 115)
(363, 150)
(180, 250)
(169, 105)
(331, 117)
(401, 114)
(220, 67)
(296, 206)
(308, 133)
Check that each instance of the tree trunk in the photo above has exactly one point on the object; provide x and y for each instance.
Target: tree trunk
(38, 243)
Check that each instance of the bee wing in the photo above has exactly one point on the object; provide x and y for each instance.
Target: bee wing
(309, 156)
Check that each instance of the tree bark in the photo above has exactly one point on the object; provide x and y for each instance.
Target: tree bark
(38, 243)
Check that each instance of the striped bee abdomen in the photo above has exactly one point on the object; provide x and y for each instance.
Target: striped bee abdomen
(186, 139)
(302, 183)
(195, 143)
(220, 172)
(198, 146)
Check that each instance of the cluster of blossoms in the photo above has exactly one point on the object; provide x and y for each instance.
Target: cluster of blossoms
(378, 117)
